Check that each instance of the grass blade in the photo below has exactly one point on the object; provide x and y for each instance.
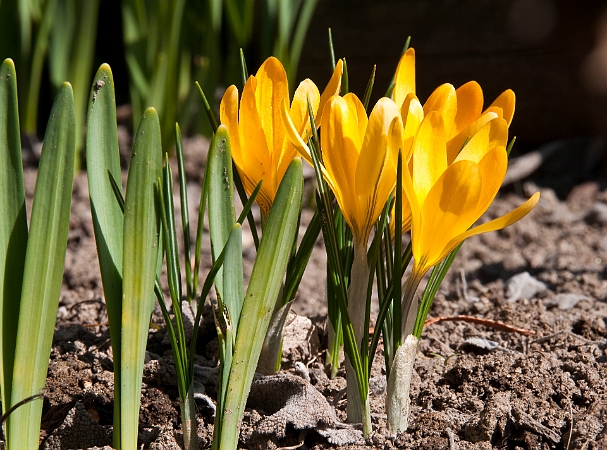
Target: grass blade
(185, 217)
(43, 272)
(140, 250)
(13, 226)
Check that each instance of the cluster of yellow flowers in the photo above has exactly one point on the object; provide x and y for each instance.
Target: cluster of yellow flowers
(454, 151)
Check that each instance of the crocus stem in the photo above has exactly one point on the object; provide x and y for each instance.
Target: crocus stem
(398, 402)
(188, 420)
(401, 370)
(407, 302)
(357, 299)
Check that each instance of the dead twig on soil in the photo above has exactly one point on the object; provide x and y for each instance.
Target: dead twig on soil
(451, 437)
(495, 324)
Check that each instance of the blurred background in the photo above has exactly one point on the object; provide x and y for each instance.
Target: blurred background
(552, 53)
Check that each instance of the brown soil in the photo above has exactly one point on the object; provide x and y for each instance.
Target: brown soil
(501, 390)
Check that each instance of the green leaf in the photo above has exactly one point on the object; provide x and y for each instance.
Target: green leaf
(43, 272)
(260, 299)
(103, 162)
(141, 228)
(222, 216)
(13, 226)
(233, 285)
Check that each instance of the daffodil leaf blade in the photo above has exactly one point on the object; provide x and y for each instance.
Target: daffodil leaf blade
(13, 224)
(233, 285)
(43, 270)
(139, 267)
(103, 169)
(261, 296)
(222, 215)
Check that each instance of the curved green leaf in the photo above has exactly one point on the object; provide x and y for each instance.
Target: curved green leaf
(43, 272)
(13, 226)
(140, 259)
(103, 161)
(260, 299)
(222, 216)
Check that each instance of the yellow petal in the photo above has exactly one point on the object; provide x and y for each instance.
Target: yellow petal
(429, 155)
(412, 114)
(293, 134)
(404, 79)
(356, 105)
(340, 143)
(469, 104)
(499, 112)
(506, 101)
(497, 224)
(493, 168)
(272, 89)
(306, 91)
(332, 89)
(444, 101)
(448, 211)
(454, 146)
(256, 161)
(414, 205)
(376, 168)
(228, 115)
(493, 133)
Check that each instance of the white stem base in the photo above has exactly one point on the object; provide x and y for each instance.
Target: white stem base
(398, 401)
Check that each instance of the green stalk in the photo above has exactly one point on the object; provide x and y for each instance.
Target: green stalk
(44, 262)
(358, 405)
(398, 248)
(103, 165)
(188, 420)
(140, 250)
(260, 298)
(13, 226)
(336, 272)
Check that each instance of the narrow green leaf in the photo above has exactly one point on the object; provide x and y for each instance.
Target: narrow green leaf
(13, 226)
(369, 89)
(261, 296)
(243, 65)
(436, 278)
(103, 165)
(398, 247)
(43, 271)
(139, 265)
(222, 216)
(246, 201)
(185, 216)
(30, 113)
(271, 352)
(208, 110)
(331, 50)
(233, 287)
(298, 265)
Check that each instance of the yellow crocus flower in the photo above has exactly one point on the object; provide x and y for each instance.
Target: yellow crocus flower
(447, 198)
(461, 110)
(359, 157)
(260, 148)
